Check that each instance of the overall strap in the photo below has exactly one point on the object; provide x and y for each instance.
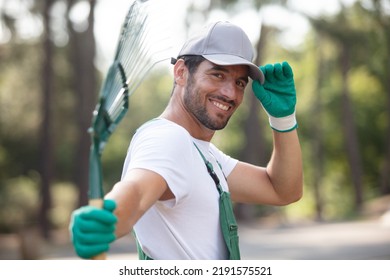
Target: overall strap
(211, 171)
(228, 222)
(141, 253)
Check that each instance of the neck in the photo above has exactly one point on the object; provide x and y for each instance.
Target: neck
(176, 112)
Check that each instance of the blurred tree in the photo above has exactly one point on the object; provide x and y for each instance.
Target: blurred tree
(20, 156)
(340, 30)
(82, 55)
(46, 137)
(382, 18)
(24, 148)
(317, 129)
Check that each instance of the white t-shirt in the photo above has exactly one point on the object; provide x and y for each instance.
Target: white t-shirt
(186, 227)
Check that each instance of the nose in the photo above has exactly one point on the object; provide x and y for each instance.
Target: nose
(229, 90)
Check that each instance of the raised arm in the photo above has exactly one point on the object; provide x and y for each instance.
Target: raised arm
(281, 181)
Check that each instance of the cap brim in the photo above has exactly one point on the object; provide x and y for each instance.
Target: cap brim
(224, 59)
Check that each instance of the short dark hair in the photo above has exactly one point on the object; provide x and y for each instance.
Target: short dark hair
(192, 62)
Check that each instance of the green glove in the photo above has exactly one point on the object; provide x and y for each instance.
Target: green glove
(278, 96)
(93, 229)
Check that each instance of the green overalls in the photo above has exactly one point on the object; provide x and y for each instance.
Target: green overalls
(228, 222)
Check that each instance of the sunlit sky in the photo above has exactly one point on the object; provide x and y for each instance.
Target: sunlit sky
(110, 15)
(109, 18)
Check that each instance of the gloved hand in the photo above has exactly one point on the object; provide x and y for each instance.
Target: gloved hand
(278, 96)
(93, 229)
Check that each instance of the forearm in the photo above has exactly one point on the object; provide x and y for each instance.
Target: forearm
(285, 167)
(127, 211)
(139, 190)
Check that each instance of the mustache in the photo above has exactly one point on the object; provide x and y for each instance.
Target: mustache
(225, 100)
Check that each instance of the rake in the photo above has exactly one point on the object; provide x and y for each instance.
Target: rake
(142, 44)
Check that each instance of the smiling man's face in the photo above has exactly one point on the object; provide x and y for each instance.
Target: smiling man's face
(214, 92)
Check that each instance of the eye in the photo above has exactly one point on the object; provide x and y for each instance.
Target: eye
(218, 75)
(241, 84)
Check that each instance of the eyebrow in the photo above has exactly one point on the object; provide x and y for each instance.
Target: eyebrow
(223, 69)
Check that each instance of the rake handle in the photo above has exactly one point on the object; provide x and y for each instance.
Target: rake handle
(98, 202)
(95, 181)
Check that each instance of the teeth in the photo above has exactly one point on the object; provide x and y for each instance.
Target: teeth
(221, 106)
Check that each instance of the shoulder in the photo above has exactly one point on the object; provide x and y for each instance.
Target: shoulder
(227, 162)
(163, 135)
(161, 128)
(165, 148)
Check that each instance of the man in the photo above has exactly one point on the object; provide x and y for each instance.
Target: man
(173, 177)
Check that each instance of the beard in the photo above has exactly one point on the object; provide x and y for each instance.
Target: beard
(195, 105)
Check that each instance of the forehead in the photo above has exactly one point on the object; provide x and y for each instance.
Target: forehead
(241, 71)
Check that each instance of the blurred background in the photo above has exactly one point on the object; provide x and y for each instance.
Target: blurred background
(54, 55)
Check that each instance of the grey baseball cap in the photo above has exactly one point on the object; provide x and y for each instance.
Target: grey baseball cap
(223, 43)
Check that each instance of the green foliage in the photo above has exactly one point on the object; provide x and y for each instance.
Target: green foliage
(64, 196)
(19, 200)
(19, 90)
(369, 111)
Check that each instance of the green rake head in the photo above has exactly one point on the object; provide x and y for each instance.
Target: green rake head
(111, 109)
(112, 106)
(142, 44)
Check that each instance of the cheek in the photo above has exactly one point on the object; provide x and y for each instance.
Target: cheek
(240, 98)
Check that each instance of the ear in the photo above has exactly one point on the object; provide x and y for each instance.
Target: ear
(180, 72)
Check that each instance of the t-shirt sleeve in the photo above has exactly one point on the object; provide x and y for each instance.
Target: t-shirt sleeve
(162, 149)
(227, 163)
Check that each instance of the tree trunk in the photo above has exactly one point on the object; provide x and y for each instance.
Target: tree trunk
(385, 176)
(383, 20)
(82, 55)
(349, 129)
(317, 132)
(46, 146)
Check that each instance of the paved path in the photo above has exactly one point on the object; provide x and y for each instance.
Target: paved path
(337, 241)
(359, 240)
